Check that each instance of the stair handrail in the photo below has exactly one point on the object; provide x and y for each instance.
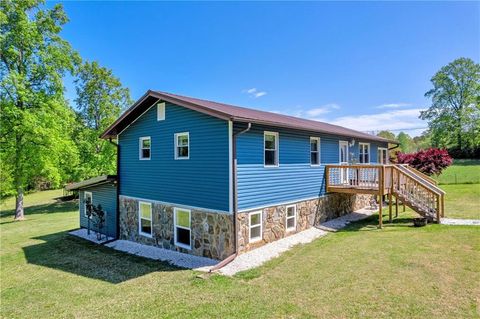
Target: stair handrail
(420, 174)
(421, 181)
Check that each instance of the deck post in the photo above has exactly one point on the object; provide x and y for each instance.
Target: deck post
(443, 205)
(396, 206)
(381, 186)
(390, 207)
(438, 209)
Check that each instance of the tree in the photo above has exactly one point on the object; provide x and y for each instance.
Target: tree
(35, 119)
(100, 100)
(430, 161)
(406, 143)
(454, 116)
(387, 134)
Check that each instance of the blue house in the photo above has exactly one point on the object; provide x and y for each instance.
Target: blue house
(212, 179)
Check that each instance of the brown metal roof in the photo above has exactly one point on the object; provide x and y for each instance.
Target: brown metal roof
(233, 113)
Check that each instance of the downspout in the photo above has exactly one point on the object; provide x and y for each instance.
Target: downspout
(230, 258)
(117, 222)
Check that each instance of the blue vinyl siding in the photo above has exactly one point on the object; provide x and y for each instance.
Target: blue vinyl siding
(295, 178)
(105, 195)
(200, 181)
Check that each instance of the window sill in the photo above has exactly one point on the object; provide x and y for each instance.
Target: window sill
(144, 159)
(183, 246)
(254, 240)
(145, 235)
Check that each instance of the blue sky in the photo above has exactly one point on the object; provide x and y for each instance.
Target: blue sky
(362, 65)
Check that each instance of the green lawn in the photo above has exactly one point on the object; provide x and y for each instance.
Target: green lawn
(461, 172)
(399, 271)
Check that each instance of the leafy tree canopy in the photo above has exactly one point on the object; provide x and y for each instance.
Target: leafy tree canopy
(35, 119)
(454, 116)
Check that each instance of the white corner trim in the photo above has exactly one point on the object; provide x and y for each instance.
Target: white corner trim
(230, 166)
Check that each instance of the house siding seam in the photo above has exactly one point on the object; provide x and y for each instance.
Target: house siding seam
(200, 181)
(105, 195)
(294, 178)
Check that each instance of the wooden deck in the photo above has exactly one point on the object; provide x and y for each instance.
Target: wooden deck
(408, 185)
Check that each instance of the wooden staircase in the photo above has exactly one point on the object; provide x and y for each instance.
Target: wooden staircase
(409, 186)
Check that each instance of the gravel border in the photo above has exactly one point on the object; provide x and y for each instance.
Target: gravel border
(453, 221)
(83, 233)
(173, 257)
(259, 256)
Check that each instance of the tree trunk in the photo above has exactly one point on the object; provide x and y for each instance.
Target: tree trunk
(19, 213)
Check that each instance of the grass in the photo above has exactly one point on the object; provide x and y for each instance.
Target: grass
(465, 171)
(397, 272)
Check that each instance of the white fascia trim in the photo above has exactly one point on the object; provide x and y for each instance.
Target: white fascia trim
(244, 210)
(207, 210)
(155, 103)
(230, 166)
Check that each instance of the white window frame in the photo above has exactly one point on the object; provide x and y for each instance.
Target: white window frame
(161, 111)
(85, 203)
(294, 217)
(318, 150)
(175, 210)
(360, 153)
(149, 235)
(379, 153)
(259, 238)
(140, 148)
(176, 135)
(277, 150)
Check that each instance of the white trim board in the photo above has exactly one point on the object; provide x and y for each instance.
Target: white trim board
(230, 166)
(207, 210)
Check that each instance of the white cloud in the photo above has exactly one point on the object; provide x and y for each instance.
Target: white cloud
(327, 108)
(390, 120)
(392, 105)
(253, 92)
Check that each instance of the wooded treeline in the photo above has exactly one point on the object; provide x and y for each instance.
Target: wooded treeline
(47, 141)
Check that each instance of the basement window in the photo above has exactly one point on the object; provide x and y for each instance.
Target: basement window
(255, 226)
(145, 219)
(291, 217)
(182, 227)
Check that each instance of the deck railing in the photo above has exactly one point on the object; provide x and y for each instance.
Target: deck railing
(363, 177)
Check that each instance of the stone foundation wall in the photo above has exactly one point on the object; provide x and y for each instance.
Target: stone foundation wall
(211, 233)
(309, 213)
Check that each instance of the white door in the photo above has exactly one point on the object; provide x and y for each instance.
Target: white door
(343, 159)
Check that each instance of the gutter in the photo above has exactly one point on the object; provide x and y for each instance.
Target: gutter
(230, 258)
(117, 222)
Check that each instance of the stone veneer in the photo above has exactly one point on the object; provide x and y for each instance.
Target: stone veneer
(309, 213)
(211, 233)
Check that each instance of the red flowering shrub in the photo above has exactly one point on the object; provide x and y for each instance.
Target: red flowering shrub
(430, 161)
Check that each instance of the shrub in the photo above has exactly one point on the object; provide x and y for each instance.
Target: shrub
(430, 161)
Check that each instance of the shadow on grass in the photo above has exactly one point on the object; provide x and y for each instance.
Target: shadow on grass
(371, 223)
(56, 207)
(64, 252)
(466, 162)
